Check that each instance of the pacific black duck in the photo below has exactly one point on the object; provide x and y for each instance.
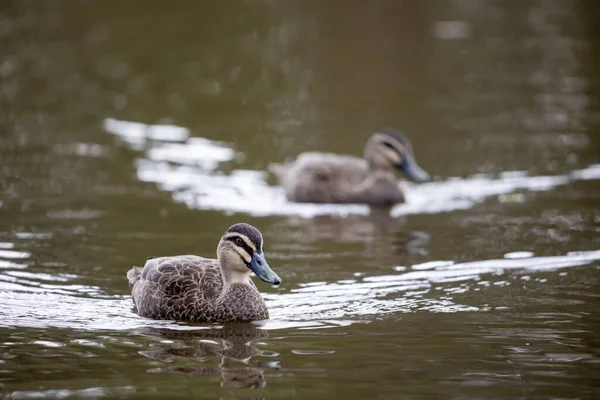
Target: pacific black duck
(331, 178)
(192, 288)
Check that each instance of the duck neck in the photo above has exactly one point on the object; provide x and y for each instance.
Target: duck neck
(229, 273)
(375, 177)
(234, 278)
(377, 172)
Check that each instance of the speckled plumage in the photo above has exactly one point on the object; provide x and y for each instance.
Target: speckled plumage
(332, 178)
(193, 288)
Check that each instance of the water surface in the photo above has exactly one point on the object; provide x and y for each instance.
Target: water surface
(133, 131)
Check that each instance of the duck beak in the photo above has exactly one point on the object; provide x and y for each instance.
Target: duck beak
(410, 167)
(259, 266)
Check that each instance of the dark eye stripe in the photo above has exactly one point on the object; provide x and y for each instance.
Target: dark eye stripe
(243, 245)
(389, 145)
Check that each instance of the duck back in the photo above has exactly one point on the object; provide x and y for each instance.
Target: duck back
(323, 177)
(332, 178)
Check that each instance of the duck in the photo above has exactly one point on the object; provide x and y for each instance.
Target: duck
(315, 177)
(198, 289)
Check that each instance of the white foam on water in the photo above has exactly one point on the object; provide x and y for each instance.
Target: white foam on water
(137, 134)
(12, 265)
(519, 254)
(13, 254)
(187, 167)
(200, 152)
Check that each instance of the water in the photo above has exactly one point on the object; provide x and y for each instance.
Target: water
(130, 132)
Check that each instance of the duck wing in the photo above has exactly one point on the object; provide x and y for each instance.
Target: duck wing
(324, 177)
(170, 286)
(330, 167)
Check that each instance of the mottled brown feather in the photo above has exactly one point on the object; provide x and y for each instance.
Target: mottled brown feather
(190, 288)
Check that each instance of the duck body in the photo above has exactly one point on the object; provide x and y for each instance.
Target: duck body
(198, 289)
(190, 288)
(332, 178)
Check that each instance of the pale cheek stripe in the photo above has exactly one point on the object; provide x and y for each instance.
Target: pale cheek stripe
(248, 242)
(391, 156)
(244, 255)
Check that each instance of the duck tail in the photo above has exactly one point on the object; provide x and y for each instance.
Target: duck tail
(279, 170)
(134, 275)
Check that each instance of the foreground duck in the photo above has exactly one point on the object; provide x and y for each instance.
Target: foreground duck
(192, 288)
(332, 178)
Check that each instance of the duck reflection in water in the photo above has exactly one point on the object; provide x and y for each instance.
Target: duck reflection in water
(232, 343)
(383, 235)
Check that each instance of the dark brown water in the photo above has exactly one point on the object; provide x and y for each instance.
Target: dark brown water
(130, 130)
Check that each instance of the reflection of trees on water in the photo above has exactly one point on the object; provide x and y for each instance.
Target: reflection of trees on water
(232, 343)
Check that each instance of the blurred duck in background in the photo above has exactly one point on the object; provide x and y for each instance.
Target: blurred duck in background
(332, 178)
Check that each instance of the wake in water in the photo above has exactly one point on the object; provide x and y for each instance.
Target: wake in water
(35, 300)
(187, 167)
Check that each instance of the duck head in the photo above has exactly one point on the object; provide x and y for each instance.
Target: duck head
(389, 149)
(240, 251)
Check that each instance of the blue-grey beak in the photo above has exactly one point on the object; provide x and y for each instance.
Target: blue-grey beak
(259, 266)
(410, 167)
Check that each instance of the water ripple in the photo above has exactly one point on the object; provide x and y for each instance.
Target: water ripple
(433, 287)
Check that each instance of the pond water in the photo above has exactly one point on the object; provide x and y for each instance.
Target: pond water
(130, 131)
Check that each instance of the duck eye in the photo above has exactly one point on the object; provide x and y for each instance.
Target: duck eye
(238, 241)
